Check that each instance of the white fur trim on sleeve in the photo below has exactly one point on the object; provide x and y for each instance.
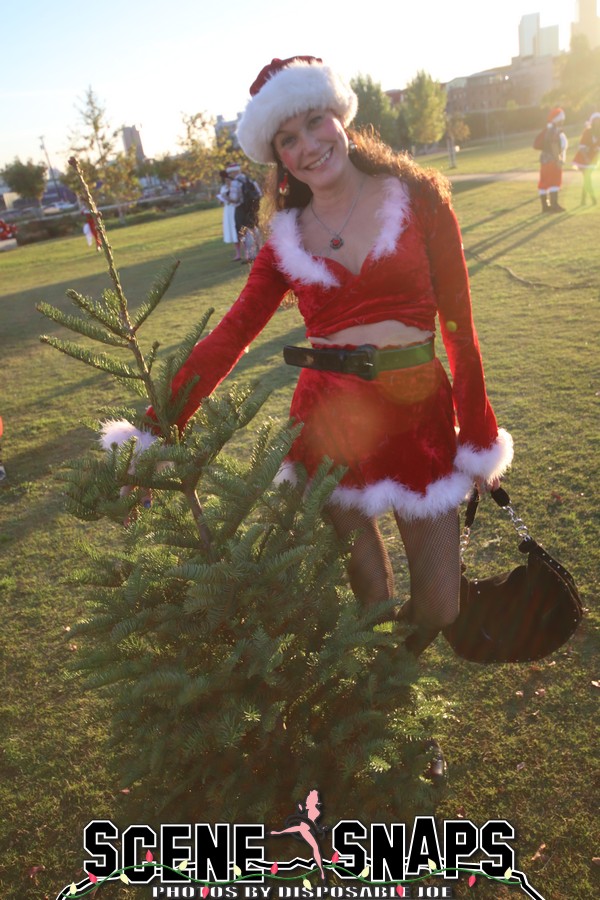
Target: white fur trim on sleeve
(490, 463)
(118, 431)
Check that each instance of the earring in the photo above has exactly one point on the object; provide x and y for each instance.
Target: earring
(351, 147)
(284, 187)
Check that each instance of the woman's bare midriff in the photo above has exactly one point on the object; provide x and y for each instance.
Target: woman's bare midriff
(389, 333)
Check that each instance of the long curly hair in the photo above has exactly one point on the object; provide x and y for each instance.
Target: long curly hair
(370, 155)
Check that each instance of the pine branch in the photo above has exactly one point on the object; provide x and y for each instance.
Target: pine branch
(102, 313)
(198, 514)
(96, 360)
(81, 326)
(118, 301)
(105, 243)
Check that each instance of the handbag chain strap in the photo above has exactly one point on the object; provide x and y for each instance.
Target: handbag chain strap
(502, 499)
(518, 524)
(465, 540)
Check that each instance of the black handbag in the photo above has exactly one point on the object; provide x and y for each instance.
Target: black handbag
(517, 616)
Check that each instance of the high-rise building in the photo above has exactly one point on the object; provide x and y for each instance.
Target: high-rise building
(547, 41)
(588, 22)
(131, 138)
(537, 41)
(529, 27)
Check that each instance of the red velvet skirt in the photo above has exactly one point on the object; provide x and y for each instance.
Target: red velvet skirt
(550, 176)
(395, 436)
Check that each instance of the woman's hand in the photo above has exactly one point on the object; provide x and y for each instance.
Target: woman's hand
(487, 486)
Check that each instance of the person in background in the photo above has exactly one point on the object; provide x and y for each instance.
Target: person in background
(246, 194)
(90, 231)
(552, 142)
(586, 156)
(230, 235)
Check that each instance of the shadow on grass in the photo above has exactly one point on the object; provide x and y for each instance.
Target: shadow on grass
(42, 460)
(193, 275)
(497, 241)
(45, 460)
(495, 214)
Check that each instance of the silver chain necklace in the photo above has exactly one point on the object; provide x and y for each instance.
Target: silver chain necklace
(337, 241)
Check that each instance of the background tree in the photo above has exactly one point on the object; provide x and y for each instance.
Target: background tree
(579, 77)
(457, 132)
(375, 109)
(119, 182)
(424, 108)
(111, 171)
(457, 128)
(93, 139)
(196, 144)
(26, 179)
(226, 151)
(165, 167)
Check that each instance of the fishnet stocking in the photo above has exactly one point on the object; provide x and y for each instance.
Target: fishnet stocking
(432, 551)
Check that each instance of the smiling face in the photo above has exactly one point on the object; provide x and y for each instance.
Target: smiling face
(313, 146)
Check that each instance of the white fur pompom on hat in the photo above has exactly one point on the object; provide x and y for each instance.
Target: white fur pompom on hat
(283, 89)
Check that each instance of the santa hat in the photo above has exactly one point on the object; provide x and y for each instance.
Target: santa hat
(283, 89)
(556, 116)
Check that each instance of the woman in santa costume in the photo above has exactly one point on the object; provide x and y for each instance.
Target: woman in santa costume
(370, 246)
(586, 156)
(554, 152)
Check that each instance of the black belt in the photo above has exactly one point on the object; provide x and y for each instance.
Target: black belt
(365, 361)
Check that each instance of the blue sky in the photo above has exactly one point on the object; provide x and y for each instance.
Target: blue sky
(149, 62)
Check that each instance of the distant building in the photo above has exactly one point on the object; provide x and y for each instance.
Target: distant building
(229, 126)
(488, 90)
(131, 138)
(535, 40)
(456, 94)
(529, 27)
(588, 23)
(396, 97)
(548, 41)
(529, 77)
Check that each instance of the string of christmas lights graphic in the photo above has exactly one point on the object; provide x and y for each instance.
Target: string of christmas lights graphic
(92, 883)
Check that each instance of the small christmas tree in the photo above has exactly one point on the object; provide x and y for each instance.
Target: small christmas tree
(240, 668)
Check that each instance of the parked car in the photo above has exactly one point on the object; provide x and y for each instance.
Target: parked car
(7, 231)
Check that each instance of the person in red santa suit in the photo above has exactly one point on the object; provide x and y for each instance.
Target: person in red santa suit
(554, 152)
(369, 244)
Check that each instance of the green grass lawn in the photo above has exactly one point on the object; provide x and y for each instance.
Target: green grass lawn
(520, 739)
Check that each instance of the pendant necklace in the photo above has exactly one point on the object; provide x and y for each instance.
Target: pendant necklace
(337, 241)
